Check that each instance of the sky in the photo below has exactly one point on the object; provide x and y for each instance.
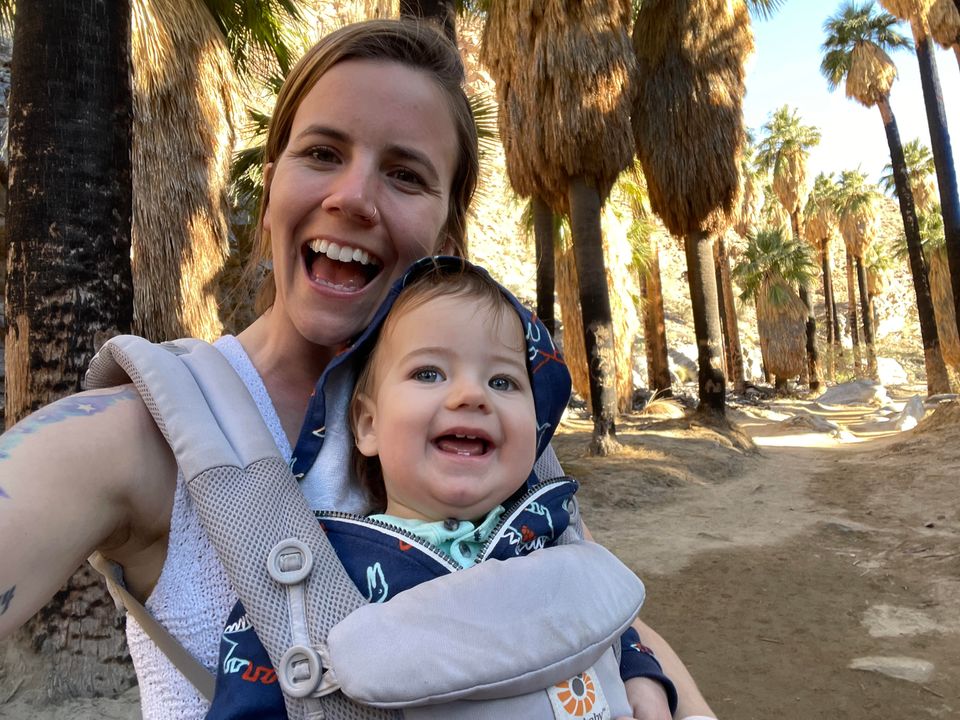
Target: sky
(785, 69)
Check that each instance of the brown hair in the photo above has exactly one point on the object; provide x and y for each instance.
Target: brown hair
(415, 44)
(434, 283)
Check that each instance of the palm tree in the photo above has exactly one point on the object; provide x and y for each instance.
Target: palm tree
(931, 230)
(820, 226)
(854, 53)
(690, 149)
(915, 12)
(944, 19)
(69, 284)
(768, 272)
(858, 211)
(783, 151)
(645, 262)
(920, 169)
(563, 83)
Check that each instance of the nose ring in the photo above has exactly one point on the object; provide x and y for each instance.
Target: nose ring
(371, 217)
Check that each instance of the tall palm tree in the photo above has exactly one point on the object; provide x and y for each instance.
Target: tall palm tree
(563, 82)
(69, 284)
(931, 230)
(858, 214)
(783, 151)
(915, 12)
(769, 270)
(820, 226)
(690, 149)
(920, 170)
(944, 19)
(854, 53)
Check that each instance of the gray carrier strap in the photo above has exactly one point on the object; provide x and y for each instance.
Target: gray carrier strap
(516, 636)
(277, 557)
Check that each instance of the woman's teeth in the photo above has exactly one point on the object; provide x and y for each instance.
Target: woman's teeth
(340, 253)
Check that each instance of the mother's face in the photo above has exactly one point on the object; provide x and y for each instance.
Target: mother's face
(360, 192)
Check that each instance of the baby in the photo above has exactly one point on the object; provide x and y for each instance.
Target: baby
(456, 400)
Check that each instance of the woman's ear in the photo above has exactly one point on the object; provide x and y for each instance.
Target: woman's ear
(267, 179)
(365, 426)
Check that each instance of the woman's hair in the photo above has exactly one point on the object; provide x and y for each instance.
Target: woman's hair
(414, 44)
(434, 283)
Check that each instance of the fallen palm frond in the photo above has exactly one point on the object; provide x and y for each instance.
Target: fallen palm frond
(666, 407)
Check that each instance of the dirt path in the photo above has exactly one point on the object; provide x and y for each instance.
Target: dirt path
(815, 578)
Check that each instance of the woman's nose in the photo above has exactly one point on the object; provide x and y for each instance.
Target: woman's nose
(353, 194)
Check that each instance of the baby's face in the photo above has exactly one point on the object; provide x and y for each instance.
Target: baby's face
(451, 411)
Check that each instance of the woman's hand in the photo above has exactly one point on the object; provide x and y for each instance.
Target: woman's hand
(647, 699)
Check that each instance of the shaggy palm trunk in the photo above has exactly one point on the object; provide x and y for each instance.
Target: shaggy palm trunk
(942, 158)
(654, 326)
(852, 318)
(442, 11)
(702, 279)
(68, 288)
(595, 310)
(937, 380)
(813, 353)
(866, 314)
(731, 331)
(544, 240)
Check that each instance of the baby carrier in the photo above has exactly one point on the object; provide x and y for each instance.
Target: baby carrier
(313, 622)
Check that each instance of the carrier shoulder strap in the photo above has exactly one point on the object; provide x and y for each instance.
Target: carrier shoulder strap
(277, 557)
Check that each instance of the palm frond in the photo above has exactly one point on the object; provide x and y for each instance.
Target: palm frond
(6, 16)
(853, 25)
(257, 27)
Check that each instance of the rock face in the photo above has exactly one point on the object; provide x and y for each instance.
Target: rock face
(911, 414)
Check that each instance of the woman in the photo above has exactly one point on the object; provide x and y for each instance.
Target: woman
(371, 162)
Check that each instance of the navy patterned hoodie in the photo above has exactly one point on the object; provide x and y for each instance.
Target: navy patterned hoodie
(384, 559)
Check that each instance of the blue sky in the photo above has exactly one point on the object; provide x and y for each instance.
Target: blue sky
(785, 69)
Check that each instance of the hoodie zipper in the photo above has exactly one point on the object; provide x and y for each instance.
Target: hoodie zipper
(397, 532)
(431, 549)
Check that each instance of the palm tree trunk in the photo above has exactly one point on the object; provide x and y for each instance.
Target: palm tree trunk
(544, 240)
(595, 309)
(942, 156)
(852, 318)
(830, 308)
(937, 380)
(654, 326)
(813, 354)
(866, 314)
(442, 11)
(68, 288)
(731, 330)
(706, 321)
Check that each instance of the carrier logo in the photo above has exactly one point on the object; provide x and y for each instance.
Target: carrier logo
(579, 698)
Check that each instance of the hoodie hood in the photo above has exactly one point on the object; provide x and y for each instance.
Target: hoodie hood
(549, 376)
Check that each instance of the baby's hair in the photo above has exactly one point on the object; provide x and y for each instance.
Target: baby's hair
(435, 282)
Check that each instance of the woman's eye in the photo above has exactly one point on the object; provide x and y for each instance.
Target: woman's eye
(428, 375)
(322, 153)
(407, 176)
(502, 383)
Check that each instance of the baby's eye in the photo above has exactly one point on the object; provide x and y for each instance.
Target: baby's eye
(428, 375)
(501, 382)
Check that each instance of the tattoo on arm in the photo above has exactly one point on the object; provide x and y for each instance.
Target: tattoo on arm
(6, 598)
(71, 407)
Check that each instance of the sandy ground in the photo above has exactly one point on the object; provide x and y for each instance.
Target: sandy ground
(800, 574)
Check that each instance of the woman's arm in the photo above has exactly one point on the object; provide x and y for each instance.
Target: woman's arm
(87, 472)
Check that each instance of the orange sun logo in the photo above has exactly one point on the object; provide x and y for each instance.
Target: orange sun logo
(577, 694)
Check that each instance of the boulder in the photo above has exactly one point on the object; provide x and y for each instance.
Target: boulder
(858, 392)
(891, 372)
(683, 362)
(911, 414)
